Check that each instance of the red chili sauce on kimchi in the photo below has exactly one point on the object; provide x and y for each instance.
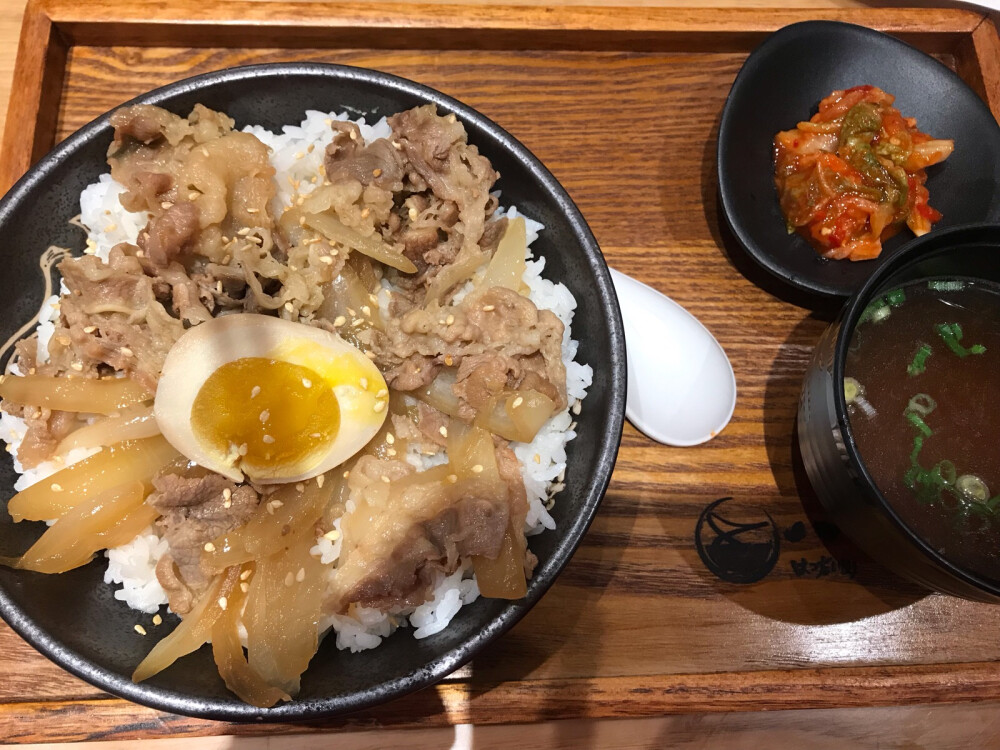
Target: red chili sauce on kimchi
(851, 176)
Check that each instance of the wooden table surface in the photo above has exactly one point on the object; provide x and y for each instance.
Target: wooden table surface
(957, 725)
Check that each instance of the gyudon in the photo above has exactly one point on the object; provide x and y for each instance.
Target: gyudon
(297, 382)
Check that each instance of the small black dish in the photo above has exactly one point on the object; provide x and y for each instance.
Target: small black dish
(829, 453)
(781, 84)
(73, 618)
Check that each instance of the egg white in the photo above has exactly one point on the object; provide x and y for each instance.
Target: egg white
(206, 347)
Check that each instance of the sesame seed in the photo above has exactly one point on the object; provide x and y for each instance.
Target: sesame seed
(347, 474)
(452, 478)
(290, 307)
(390, 438)
(326, 259)
(357, 323)
(396, 145)
(209, 547)
(110, 227)
(277, 503)
(140, 629)
(244, 449)
(477, 469)
(166, 204)
(379, 406)
(382, 393)
(204, 151)
(289, 579)
(157, 620)
(218, 286)
(227, 494)
(363, 383)
(227, 503)
(443, 430)
(572, 425)
(351, 312)
(320, 479)
(245, 575)
(365, 310)
(376, 172)
(370, 355)
(300, 487)
(299, 154)
(517, 402)
(450, 319)
(223, 603)
(56, 487)
(451, 118)
(255, 391)
(339, 321)
(390, 452)
(385, 479)
(90, 329)
(412, 213)
(301, 575)
(270, 509)
(77, 366)
(265, 415)
(365, 211)
(489, 308)
(311, 147)
(268, 439)
(328, 121)
(374, 299)
(449, 360)
(332, 535)
(576, 407)
(537, 459)
(315, 435)
(193, 196)
(243, 232)
(300, 200)
(126, 352)
(244, 587)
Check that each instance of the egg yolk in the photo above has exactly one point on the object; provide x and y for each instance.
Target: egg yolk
(270, 417)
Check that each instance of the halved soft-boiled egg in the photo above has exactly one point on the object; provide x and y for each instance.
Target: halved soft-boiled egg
(276, 401)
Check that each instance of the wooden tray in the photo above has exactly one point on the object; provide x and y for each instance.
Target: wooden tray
(622, 105)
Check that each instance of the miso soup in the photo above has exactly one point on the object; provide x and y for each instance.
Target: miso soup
(922, 381)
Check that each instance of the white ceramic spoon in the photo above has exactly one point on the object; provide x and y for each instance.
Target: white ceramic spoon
(681, 387)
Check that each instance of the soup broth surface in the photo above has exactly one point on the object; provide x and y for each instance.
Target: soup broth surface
(924, 364)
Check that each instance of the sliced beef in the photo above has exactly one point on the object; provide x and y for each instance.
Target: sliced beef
(113, 316)
(195, 511)
(171, 233)
(472, 526)
(348, 158)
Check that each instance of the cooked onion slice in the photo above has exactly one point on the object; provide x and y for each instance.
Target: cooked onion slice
(282, 614)
(280, 518)
(133, 460)
(73, 394)
(194, 630)
(229, 656)
(374, 247)
(93, 525)
(502, 578)
(507, 267)
(517, 415)
(134, 423)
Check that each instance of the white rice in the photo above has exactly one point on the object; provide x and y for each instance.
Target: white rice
(297, 152)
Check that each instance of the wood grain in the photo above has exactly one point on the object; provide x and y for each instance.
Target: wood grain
(636, 626)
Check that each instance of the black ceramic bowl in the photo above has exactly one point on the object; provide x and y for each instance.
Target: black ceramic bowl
(73, 618)
(781, 84)
(831, 458)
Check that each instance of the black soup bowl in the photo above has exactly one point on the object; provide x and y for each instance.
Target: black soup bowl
(73, 618)
(836, 467)
(781, 84)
